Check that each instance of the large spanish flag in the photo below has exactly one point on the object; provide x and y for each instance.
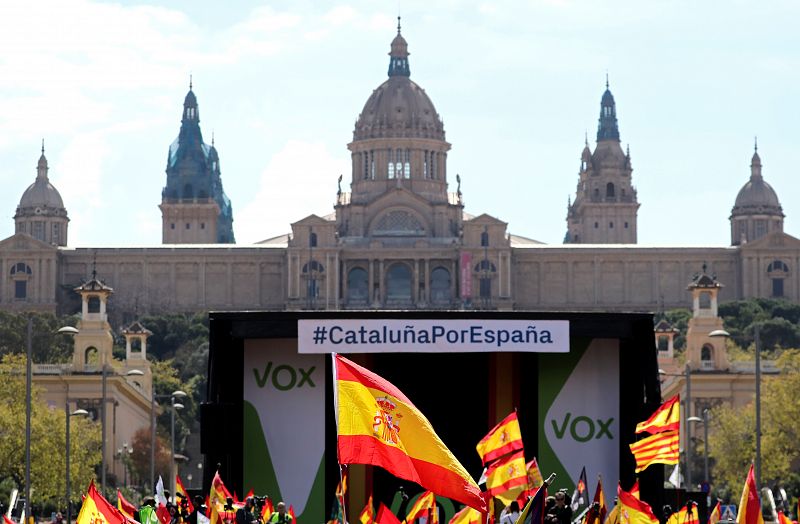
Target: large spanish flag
(180, 491)
(749, 505)
(687, 515)
(665, 418)
(424, 506)
(661, 448)
(633, 510)
(379, 425)
(504, 438)
(95, 509)
(125, 507)
(716, 513)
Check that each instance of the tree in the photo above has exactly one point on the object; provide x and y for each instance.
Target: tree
(48, 439)
(732, 438)
(140, 458)
(47, 344)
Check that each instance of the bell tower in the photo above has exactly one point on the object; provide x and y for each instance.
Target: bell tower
(704, 352)
(93, 342)
(605, 207)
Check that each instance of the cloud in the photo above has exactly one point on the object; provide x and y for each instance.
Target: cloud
(289, 190)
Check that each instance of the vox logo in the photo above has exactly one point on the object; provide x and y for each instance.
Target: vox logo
(583, 428)
(284, 377)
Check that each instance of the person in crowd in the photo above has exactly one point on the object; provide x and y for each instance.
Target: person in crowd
(246, 514)
(510, 513)
(147, 512)
(279, 516)
(199, 507)
(561, 512)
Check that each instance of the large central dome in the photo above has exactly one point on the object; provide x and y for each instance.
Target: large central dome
(399, 108)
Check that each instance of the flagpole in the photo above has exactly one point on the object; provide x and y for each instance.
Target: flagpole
(336, 418)
(341, 483)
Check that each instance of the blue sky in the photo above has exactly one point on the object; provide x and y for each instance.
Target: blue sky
(280, 85)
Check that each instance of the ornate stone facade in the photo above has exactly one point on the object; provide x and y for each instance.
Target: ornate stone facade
(399, 237)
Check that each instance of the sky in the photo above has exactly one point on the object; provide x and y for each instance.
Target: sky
(281, 84)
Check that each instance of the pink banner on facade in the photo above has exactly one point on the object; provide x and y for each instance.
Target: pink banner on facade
(466, 276)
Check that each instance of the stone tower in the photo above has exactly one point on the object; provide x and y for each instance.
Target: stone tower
(194, 207)
(94, 343)
(605, 206)
(704, 352)
(41, 212)
(757, 210)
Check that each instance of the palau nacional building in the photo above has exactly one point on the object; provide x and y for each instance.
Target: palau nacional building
(398, 239)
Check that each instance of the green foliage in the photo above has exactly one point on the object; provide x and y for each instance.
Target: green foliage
(679, 318)
(48, 439)
(47, 344)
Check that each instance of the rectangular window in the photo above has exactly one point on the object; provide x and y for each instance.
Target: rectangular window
(20, 289)
(38, 231)
(777, 287)
(486, 287)
(56, 234)
(390, 172)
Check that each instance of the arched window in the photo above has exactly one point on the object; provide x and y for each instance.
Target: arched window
(440, 285)
(357, 285)
(707, 353)
(94, 304)
(91, 356)
(136, 345)
(705, 300)
(662, 343)
(390, 165)
(610, 190)
(484, 239)
(398, 283)
(313, 266)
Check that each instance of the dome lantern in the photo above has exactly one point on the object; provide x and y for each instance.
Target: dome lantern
(398, 55)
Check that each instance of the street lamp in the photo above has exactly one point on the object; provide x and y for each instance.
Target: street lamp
(687, 403)
(77, 412)
(703, 421)
(130, 373)
(123, 454)
(172, 396)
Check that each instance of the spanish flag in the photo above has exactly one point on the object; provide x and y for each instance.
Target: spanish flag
(467, 515)
(125, 507)
(716, 513)
(267, 510)
(665, 418)
(505, 475)
(180, 491)
(95, 508)
(635, 490)
(367, 515)
(613, 515)
(686, 515)
(219, 493)
(504, 438)
(535, 478)
(749, 505)
(661, 448)
(378, 425)
(633, 510)
(597, 511)
(425, 506)
(385, 516)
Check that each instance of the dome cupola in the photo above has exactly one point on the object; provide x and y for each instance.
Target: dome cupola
(41, 212)
(757, 210)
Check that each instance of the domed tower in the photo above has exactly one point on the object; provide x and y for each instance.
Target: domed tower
(757, 210)
(605, 206)
(41, 212)
(194, 207)
(398, 144)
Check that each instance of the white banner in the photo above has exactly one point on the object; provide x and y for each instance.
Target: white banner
(432, 336)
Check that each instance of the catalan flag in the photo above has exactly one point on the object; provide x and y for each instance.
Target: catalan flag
(385, 516)
(661, 448)
(506, 474)
(467, 515)
(749, 505)
(667, 417)
(367, 515)
(96, 508)
(125, 507)
(716, 513)
(686, 515)
(633, 510)
(504, 438)
(370, 414)
(424, 506)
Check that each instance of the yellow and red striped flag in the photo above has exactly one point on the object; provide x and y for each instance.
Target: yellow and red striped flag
(613, 515)
(783, 519)
(716, 513)
(367, 515)
(424, 506)
(635, 490)
(96, 508)
(504, 438)
(385, 516)
(267, 510)
(507, 477)
(370, 413)
(661, 448)
(665, 418)
(467, 515)
(219, 493)
(749, 505)
(633, 510)
(125, 507)
(686, 515)
(180, 491)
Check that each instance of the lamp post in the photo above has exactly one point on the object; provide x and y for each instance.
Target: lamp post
(703, 421)
(68, 494)
(175, 406)
(172, 396)
(123, 454)
(687, 402)
(130, 373)
(28, 401)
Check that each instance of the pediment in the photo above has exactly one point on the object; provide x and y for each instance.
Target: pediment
(398, 197)
(485, 219)
(777, 240)
(312, 220)
(25, 242)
